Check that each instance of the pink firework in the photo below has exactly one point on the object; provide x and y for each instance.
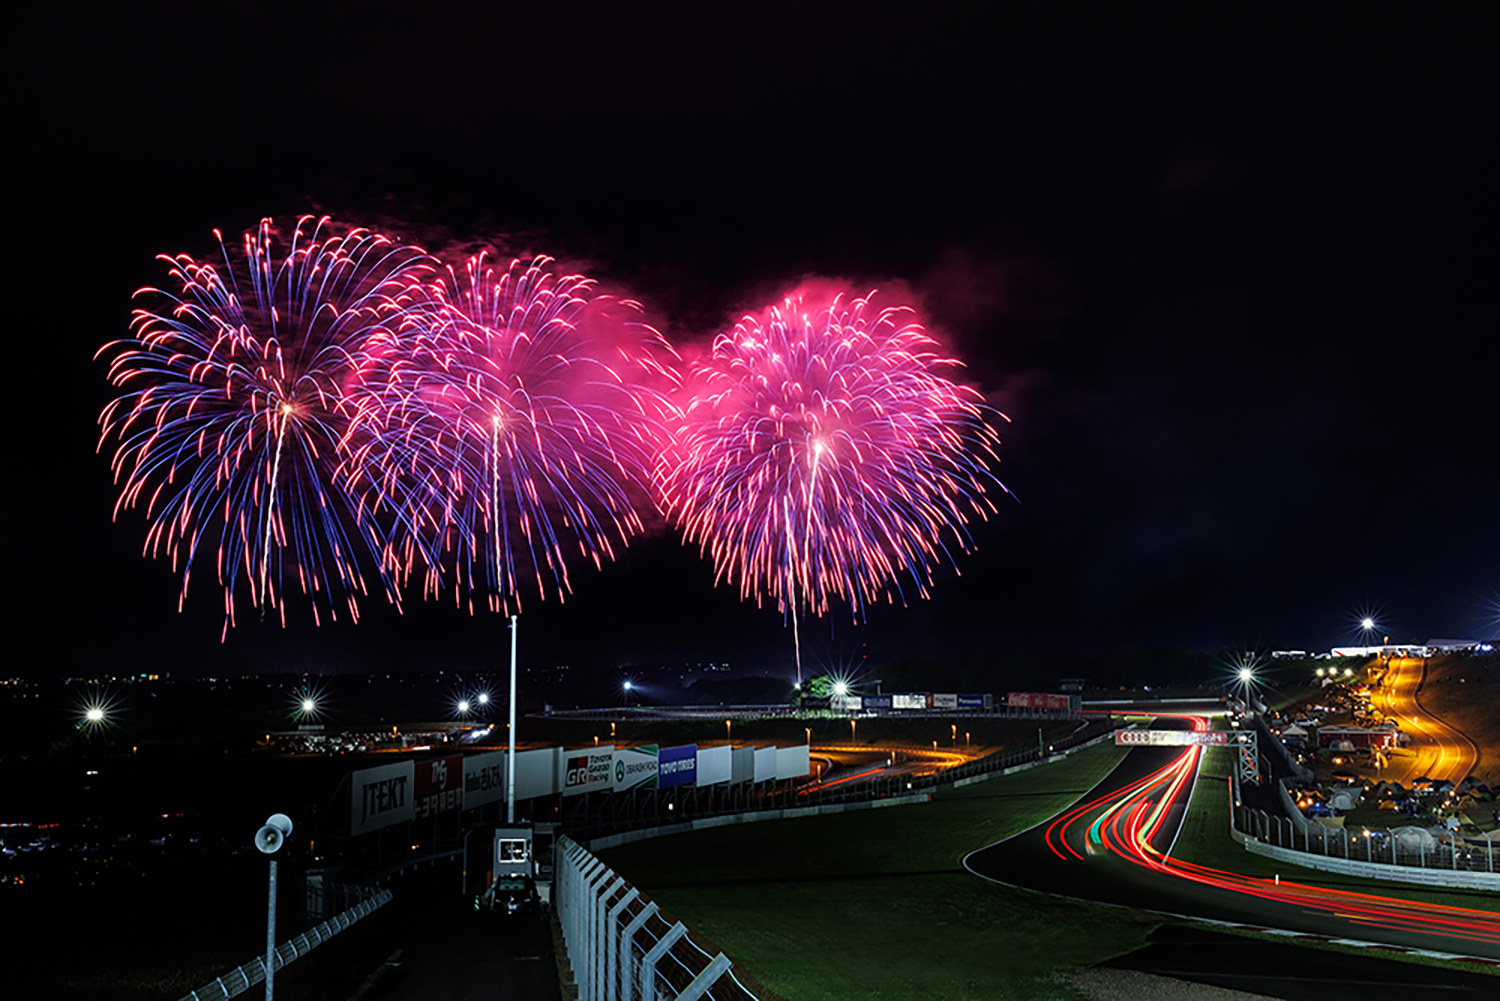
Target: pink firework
(508, 424)
(824, 454)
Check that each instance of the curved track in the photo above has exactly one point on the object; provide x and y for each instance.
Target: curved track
(1437, 750)
(1114, 846)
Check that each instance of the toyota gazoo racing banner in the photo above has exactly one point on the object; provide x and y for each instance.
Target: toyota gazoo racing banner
(588, 769)
(1171, 738)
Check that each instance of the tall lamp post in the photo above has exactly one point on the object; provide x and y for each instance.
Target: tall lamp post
(510, 761)
(268, 839)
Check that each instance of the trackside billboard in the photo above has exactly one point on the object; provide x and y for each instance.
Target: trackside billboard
(588, 769)
(1171, 738)
(438, 786)
(379, 797)
(792, 762)
(635, 767)
(714, 765)
(484, 778)
(678, 766)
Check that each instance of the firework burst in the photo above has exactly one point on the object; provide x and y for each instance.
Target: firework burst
(509, 424)
(825, 455)
(230, 411)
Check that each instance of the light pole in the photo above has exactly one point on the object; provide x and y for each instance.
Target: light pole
(268, 839)
(510, 760)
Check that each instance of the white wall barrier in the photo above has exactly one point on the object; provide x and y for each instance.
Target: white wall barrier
(622, 948)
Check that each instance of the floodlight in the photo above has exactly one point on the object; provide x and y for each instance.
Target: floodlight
(841, 688)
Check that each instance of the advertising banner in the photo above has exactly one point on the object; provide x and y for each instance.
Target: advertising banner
(539, 772)
(439, 786)
(1037, 700)
(973, 701)
(635, 767)
(678, 766)
(911, 700)
(878, 701)
(484, 778)
(380, 796)
(742, 764)
(588, 769)
(765, 764)
(845, 703)
(792, 762)
(714, 765)
(941, 701)
(1171, 738)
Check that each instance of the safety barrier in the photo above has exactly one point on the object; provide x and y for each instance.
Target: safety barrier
(242, 978)
(1407, 855)
(622, 947)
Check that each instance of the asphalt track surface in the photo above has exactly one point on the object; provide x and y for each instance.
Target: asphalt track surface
(1437, 750)
(1072, 863)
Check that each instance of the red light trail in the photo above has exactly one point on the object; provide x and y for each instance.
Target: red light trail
(1127, 821)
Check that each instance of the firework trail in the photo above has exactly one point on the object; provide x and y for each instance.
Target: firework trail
(824, 455)
(230, 410)
(510, 422)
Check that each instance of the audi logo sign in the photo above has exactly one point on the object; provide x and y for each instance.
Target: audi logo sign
(1170, 738)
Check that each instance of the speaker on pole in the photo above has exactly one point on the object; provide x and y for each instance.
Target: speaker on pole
(274, 834)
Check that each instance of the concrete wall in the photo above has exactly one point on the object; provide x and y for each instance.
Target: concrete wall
(1489, 881)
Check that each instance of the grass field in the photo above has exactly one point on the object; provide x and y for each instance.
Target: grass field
(876, 904)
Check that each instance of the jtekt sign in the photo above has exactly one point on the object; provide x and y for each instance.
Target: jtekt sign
(380, 797)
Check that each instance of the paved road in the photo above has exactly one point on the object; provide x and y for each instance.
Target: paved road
(1101, 854)
(1437, 750)
(451, 952)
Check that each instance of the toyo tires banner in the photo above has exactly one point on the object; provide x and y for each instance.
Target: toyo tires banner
(678, 766)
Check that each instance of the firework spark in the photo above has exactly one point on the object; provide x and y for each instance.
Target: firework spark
(231, 411)
(825, 455)
(510, 422)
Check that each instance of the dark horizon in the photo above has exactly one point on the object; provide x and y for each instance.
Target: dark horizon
(1226, 274)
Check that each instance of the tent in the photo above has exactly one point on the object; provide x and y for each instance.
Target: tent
(1412, 838)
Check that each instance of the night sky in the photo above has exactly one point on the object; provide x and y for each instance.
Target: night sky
(1230, 274)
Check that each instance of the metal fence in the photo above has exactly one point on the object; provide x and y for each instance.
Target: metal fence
(1417, 848)
(242, 978)
(622, 947)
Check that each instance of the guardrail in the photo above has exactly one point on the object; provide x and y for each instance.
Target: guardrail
(242, 978)
(623, 947)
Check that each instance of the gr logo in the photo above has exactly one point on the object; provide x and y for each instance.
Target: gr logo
(619, 771)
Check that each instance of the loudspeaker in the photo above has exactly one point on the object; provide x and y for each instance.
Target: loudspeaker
(278, 828)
